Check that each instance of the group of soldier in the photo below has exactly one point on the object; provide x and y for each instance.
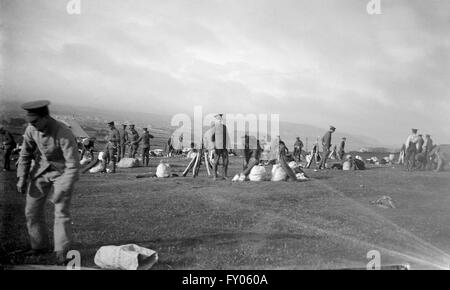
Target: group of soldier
(415, 152)
(117, 142)
(327, 152)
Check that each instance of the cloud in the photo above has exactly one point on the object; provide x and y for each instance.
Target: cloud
(314, 62)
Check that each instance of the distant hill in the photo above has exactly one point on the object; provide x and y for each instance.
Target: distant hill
(93, 121)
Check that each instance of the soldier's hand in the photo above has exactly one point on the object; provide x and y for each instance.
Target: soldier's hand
(21, 185)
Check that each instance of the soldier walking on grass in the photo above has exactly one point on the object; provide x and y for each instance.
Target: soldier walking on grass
(298, 146)
(220, 139)
(342, 148)
(326, 144)
(145, 138)
(111, 147)
(54, 149)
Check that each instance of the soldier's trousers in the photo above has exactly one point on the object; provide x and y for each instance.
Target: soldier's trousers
(411, 157)
(133, 151)
(323, 162)
(122, 150)
(38, 191)
(224, 154)
(145, 156)
(297, 154)
(110, 152)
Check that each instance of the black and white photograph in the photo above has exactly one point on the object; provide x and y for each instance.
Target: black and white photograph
(224, 135)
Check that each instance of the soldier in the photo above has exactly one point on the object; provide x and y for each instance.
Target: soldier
(169, 147)
(145, 138)
(134, 141)
(326, 144)
(113, 140)
(298, 145)
(123, 141)
(411, 149)
(428, 145)
(57, 167)
(420, 143)
(220, 139)
(342, 148)
(8, 146)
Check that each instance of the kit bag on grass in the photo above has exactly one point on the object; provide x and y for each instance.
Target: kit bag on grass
(125, 257)
(163, 170)
(258, 173)
(278, 173)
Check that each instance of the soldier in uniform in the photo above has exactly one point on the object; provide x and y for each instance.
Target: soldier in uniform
(113, 140)
(342, 148)
(220, 139)
(326, 144)
(420, 143)
(57, 167)
(428, 146)
(123, 141)
(134, 141)
(145, 138)
(411, 149)
(8, 146)
(298, 146)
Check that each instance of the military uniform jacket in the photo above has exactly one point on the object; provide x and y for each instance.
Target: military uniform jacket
(146, 136)
(54, 149)
(326, 140)
(220, 137)
(134, 137)
(113, 136)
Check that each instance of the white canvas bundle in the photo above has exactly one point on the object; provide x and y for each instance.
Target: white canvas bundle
(346, 165)
(163, 170)
(126, 257)
(97, 168)
(128, 163)
(258, 173)
(278, 173)
(101, 156)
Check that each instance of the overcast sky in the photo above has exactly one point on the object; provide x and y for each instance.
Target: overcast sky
(313, 62)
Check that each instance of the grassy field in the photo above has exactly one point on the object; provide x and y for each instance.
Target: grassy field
(325, 223)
